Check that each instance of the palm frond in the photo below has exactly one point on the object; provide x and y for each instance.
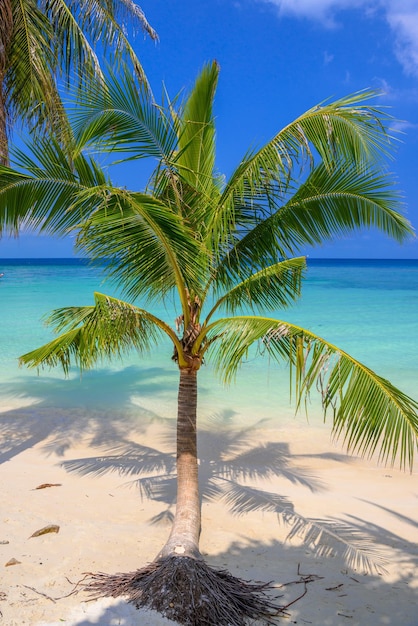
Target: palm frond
(327, 204)
(272, 287)
(70, 42)
(345, 130)
(45, 43)
(338, 202)
(121, 116)
(368, 412)
(30, 88)
(195, 158)
(27, 202)
(106, 22)
(41, 193)
(108, 329)
(348, 128)
(147, 247)
(128, 9)
(79, 24)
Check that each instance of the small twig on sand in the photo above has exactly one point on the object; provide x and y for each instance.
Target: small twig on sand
(75, 589)
(304, 580)
(40, 593)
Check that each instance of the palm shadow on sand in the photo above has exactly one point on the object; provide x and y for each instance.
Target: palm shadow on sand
(319, 591)
(61, 412)
(232, 465)
(231, 469)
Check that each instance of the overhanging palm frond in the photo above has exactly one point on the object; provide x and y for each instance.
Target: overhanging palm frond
(129, 9)
(108, 329)
(41, 194)
(43, 44)
(70, 43)
(73, 19)
(30, 88)
(368, 412)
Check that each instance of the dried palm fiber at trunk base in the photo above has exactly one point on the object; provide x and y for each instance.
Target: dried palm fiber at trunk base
(190, 592)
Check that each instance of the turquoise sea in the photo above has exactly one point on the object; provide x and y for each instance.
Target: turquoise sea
(368, 308)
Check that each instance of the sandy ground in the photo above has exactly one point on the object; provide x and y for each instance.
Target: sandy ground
(362, 572)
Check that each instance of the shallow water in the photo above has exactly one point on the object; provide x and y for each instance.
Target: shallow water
(367, 308)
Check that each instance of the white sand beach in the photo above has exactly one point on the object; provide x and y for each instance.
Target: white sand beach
(105, 525)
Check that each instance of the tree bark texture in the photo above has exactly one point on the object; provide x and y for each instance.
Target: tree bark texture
(6, 28)
(185, 533)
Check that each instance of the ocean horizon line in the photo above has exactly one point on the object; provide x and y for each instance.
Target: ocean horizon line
(315, 260)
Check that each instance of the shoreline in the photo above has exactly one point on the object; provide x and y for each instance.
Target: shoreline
(93, 460)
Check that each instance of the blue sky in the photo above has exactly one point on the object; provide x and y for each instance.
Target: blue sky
(279, 58)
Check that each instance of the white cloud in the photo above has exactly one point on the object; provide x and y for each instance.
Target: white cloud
(324, 11)
(401, 15)
(403, 20)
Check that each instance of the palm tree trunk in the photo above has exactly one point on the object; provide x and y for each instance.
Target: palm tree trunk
(178, 583)
(4, 144)
(6, 29)
(185, 533)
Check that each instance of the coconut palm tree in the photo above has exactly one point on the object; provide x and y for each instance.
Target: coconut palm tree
(227, 252)
(41, 40)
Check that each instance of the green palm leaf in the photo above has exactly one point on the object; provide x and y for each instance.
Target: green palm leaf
(195, 159)
(122, 116)
(327, 204)
(148, 248)
(345, 130)
(339, 202)
(28, 77)
(368, 411)
(42, 193)
(77, 23)
(109, 329)
(44, 43)
(272, 287)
